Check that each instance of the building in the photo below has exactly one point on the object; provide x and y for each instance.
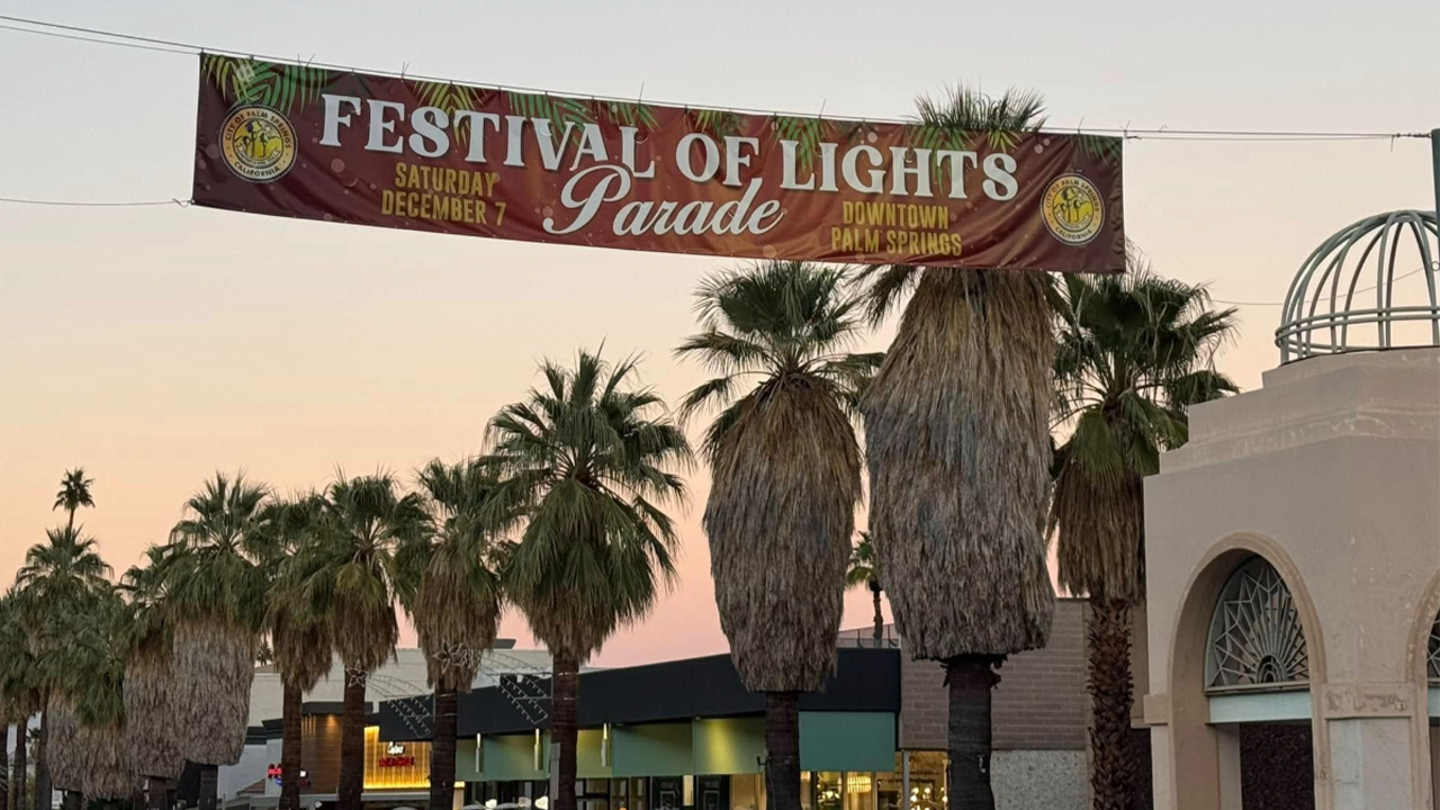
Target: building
(257, 773)
(1293, 552)
(686, 735)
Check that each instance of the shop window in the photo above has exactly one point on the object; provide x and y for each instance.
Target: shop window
(747, 792)
(928, 780)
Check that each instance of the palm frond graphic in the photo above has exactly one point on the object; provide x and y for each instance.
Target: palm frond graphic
(806, 132)
(278, 86)
(1102, 147)
(450, 98)
(716, 123)
(630, 114)
(558, 110)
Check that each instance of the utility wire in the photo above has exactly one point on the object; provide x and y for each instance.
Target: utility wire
(103, 37)
(1371, 288)
(95, 204)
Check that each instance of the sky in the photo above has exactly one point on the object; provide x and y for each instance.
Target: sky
(156, 345)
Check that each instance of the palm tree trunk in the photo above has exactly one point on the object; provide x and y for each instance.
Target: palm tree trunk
(352, 741)
(5, 770)
(290, 748)
(42, 768)
(566, 695)
(970, 678)
(1112, 777)
(442, 752)
(209, 787)
(782, 750)
(159, 789)
(879, 617)
(22, 765)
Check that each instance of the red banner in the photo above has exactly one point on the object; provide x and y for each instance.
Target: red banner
(292, 140)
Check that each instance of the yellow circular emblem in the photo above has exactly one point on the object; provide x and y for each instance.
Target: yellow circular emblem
(258, 144)
(1073, 210)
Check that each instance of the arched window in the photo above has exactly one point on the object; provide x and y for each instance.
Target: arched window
(1432, 664)
(1256, 640)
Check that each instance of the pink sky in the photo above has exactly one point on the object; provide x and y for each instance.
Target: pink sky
(156, 345)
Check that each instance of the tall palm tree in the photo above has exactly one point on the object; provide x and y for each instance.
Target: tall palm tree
(60, 578)
(1134, 352)
(585, 469)
(958, 443)
(351, 586)
(74, 493)
(863, 569)
(452, 592)
(785, 468)
(154, 737)
(301, 642)
(216, 598)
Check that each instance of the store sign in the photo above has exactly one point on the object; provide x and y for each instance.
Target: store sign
(396, 762)
(298, 141)
(276, 773)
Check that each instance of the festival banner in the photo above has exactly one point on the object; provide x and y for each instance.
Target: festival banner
(300, 141)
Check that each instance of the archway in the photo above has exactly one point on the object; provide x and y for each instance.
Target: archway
(1246, 649)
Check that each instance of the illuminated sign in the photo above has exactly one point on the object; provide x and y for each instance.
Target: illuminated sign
(396, 762)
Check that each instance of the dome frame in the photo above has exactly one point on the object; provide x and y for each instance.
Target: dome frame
(1316, 319)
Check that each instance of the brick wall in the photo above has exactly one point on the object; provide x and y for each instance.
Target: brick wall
(1040, 703)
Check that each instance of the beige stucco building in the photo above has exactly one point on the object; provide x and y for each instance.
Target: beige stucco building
(1293, 560)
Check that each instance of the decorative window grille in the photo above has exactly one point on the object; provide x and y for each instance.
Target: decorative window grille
(1256, 640)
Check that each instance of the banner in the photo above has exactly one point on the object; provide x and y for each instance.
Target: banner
(298, 141)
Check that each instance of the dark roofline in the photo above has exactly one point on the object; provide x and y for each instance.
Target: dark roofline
(865, 680)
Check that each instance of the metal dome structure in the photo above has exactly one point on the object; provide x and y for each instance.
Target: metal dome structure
(1349, 297)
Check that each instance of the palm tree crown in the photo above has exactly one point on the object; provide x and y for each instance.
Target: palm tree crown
(214, 576)
(770, 328)
(352, 582)
(74, 493)
(784, 459)
(63, 572)
(451, 584)
(584, 466)
(1134, 352)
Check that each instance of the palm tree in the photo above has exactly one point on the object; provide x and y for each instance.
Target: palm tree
(90, 756)
(1134, 352)
(61, 577)
(153, 736)
(350, 585)
(452, 593)
(584, 466)
(958, 443)
(74, 493)
(785, 467)
(863, 568)
(19, 691)
(217, 600)
(301, 643)
(18, 698)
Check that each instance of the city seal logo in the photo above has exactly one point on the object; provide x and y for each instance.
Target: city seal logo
(1073, 210)
(258, 144)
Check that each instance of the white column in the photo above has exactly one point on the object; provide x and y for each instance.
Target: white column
(1227, 740)
(1370, 763)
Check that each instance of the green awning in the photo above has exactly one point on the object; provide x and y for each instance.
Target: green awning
(660, 749)
(726, 746)
(587, 755)
(847, 741)
(511, 758)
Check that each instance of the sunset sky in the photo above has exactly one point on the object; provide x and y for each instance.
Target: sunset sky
(156, 345)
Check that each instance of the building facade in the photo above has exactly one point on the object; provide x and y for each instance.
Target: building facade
(1293, 566)
(686, 735)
